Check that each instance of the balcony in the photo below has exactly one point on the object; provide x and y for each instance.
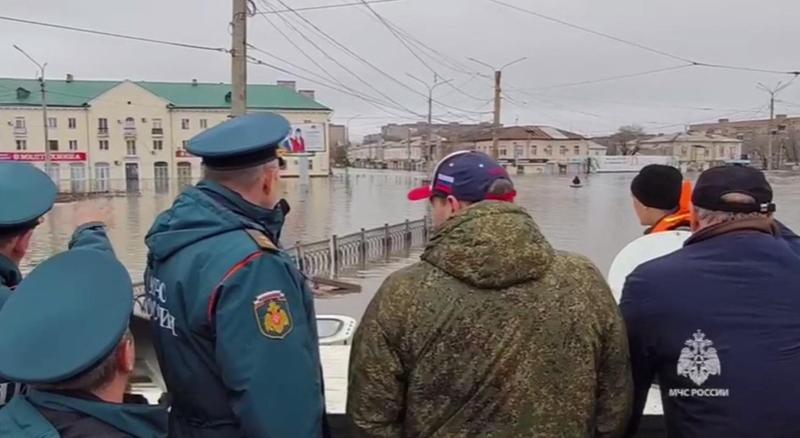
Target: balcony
(157, 132)
(129, 132)
(20, 131)
(102, 132)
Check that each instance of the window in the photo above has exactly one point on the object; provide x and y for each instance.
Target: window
(161, 174)
(102, 174)
(52, 122)
(158, 145)
(184, 173)
(562, 150)
(19, 122)
(310, 164)
(73, 145)
(203, 123)
(503, 152)
(102, 123)
(54, 171)
(184, 143)
(103, 145)
(22, 145)
(130, 122)
(53, 145)
(577, 150)
(77, 176)
(72, 123)
(548, 151)
(130, 147)
(184, 123)
(156, 123)
(705, 152)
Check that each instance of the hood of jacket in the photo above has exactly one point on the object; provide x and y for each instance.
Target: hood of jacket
(204, 211)
(490, 245)
(136, 420)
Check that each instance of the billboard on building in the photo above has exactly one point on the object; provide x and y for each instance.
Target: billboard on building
(305, 138)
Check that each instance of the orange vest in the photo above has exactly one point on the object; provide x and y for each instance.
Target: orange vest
(682, 217)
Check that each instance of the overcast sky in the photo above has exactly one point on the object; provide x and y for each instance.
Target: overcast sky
(751, 33)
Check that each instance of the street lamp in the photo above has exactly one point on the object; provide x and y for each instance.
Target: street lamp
(42, 86)
(497, 98)
(436, 83)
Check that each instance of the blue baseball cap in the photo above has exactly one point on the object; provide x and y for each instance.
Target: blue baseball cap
(65, 317)
(465, 175)
(27, 193)
(241, 142)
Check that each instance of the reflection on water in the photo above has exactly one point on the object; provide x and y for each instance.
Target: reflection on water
(596, 220)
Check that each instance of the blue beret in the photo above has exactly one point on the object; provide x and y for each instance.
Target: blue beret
(244, 141)
(65, 317)
(27, 193)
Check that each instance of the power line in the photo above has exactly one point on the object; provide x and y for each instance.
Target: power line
(614, 78)
(327, 55)
(316, 8)
(116, 35)
(362, 59)
(641, 46)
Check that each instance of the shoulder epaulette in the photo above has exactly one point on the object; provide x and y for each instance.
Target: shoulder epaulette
(262, 240)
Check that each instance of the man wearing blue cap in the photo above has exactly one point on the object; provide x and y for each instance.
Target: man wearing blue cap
(27, 194)
(493, 332)
(64, 332)
(234, 322)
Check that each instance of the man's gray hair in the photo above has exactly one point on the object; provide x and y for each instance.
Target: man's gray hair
(93, 379)
(239, 178)
(707, 218)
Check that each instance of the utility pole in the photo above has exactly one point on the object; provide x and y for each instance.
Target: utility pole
(239, 58)
(496, 123)
(498, 97)
(43, 89)
(772, 92)
(428, 153)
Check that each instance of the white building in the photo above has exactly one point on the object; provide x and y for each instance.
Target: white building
(116, 134)
(538, 149)
(408, 154)
(693, 150)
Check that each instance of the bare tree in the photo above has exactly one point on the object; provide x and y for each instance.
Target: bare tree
(624, 140)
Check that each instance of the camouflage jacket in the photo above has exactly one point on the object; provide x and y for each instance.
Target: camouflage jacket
(493, 333)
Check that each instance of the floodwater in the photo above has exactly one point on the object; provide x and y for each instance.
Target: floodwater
(596, 220)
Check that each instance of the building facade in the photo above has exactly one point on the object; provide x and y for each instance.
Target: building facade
(755, 136)
(693, 150)
(538, 149)
(113, 135)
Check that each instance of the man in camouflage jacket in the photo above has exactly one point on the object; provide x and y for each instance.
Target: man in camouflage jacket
(492, 333)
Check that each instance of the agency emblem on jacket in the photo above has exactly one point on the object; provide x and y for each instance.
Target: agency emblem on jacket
(699, 359)
(272, 314)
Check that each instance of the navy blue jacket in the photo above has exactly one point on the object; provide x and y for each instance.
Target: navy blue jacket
(790, 237)
(718, 323)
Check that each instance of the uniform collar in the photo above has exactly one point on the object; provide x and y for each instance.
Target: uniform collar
(136, 420)
(759, 225)
(9, 272)
(271, 220)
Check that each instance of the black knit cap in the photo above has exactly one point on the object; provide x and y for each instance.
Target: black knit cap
(658, 186)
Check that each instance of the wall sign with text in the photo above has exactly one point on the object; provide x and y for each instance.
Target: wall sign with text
(39, 156)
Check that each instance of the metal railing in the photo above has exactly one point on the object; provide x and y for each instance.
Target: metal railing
(329, 258)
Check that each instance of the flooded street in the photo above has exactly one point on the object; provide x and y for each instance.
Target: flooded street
(596, 220)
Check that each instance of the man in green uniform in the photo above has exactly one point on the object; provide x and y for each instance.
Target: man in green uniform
(64, 332)
(27, 194)
(234, 323)
(493, 332)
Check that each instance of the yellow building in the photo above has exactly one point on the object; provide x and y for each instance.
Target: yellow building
(109, 135)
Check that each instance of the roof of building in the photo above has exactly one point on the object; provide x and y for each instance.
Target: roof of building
(188, 95)
(528, 133)
(744, 123)
(688, 137)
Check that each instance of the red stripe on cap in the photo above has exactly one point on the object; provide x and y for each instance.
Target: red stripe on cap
(420, 193)
(508, 197)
